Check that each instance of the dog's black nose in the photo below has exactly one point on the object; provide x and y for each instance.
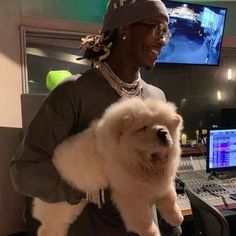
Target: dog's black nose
(162, 135)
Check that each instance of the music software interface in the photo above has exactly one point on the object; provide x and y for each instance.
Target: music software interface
(222, 148)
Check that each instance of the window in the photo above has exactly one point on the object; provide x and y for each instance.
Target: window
(47, 50)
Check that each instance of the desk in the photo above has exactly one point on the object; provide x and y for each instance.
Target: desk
(194, 176)
(195, 179)
(187, 151)
(186, 208)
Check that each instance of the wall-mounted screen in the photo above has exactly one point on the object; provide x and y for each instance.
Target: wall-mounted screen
(197, 34)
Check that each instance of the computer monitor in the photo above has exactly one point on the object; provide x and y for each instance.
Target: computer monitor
(221, 150)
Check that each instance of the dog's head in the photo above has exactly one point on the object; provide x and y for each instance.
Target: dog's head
(138, 132)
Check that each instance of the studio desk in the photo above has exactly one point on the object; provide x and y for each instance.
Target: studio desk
(192, 172)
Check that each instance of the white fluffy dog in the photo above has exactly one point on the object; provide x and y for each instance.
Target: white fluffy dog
(134, 150)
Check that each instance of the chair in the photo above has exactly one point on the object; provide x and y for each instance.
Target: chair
(207, 219)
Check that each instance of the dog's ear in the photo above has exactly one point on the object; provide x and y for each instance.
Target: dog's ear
(176, 121)
(125, 122)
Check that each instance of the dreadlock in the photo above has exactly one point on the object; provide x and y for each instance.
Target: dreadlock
(98, 47)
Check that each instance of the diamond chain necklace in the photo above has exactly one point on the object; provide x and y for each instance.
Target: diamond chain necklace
(123, 89)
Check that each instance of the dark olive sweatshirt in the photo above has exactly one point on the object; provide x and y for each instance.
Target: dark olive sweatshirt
(67, 110)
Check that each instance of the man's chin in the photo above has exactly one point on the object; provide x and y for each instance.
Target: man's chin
(149, 66)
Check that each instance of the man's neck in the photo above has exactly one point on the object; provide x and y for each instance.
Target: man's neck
(123, 69)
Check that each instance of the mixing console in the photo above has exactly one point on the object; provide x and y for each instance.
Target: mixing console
(212, 190)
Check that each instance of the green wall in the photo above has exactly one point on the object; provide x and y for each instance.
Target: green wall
(73, 10)
(93, 10)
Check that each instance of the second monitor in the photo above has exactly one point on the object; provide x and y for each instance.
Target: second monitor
(221, 151)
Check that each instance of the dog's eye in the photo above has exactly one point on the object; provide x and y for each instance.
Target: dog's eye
(142, 129)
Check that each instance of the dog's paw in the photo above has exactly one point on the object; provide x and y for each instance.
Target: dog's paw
(152, 231)
(178, 220)
(173, 216)
(175, 219)
(44, 230)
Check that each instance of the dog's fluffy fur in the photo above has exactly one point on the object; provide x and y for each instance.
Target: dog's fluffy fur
(133, 149)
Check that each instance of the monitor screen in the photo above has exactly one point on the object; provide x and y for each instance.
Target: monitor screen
(197, 34)
(221, 153)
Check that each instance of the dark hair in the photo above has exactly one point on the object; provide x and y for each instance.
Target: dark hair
(98, 47)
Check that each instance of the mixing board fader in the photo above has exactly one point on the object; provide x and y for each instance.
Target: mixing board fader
(214, 191)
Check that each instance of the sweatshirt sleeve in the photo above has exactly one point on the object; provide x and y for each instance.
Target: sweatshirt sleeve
(154, 92)
(32, 171)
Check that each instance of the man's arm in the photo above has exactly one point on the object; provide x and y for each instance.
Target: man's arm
(32, 171)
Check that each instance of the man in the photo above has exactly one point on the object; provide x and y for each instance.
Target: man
(133, 33)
